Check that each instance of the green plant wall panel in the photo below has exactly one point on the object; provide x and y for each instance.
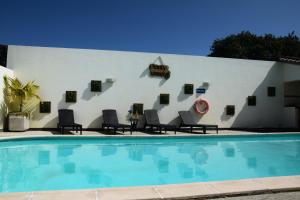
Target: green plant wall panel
(71, 96)
(188, 88)
(230, 110)
(45, 107)
(96, 86)
(271, 91)
(251, 100)
(164, 99)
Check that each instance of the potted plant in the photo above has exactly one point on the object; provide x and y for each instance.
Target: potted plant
(20, 100)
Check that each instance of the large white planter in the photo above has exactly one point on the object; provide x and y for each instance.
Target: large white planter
(17, 122)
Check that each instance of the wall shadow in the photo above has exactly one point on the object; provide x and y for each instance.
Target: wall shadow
(62, 104)
(157, 106)
(96, 123)
(52, 123)
(181, 96)
(264, 114)
(88, 94)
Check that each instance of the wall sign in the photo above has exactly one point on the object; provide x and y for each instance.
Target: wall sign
(200, 90)
(159, 70)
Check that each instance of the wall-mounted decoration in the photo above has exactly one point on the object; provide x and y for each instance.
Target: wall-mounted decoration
(251, 100)
(188, 88)
(164, 99)
(45, 107)
(271, 91)
(96, 86)
(159, 70)
(230, 110)
(71, 96)
(200, 90)
(138, 108)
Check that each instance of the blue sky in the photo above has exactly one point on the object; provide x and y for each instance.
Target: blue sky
(166, 26)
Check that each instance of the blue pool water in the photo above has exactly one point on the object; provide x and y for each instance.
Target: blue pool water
(76, 163)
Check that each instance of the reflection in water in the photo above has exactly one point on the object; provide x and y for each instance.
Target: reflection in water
(199, 156)
(251, 162)
(69, 168)
(97, 177)
(135, 152)
(201, 173)
(93, 164)
(229, 152)
(185, 171)
(272, 171)
(108, 150)
(44, 157)
(66, 150)
(162, 164)
(197, 153)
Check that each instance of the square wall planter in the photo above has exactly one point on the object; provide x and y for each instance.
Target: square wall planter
(271, 91)
(138, 108)
(230, 110)
(251, 100)
(188, 88)
(164, 99)
(96, 86)
(45, 107)
(71, 96)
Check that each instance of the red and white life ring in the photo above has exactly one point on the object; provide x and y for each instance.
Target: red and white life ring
(201, 106)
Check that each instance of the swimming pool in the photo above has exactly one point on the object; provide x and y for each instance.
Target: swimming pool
(56, 163)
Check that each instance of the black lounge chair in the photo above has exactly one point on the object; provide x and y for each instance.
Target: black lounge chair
(110, 120)
(152, 120)
(188, 121)
(66, 119)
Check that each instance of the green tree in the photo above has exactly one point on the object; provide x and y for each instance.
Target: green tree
(247, 45)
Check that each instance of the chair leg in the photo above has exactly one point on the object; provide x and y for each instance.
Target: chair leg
(204, 129)
(80, 130)
(191, 129)
(217, 129)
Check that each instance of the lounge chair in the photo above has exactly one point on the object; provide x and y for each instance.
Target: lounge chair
(66, 119)
(110, 120)
(152, 120)
(188, 121)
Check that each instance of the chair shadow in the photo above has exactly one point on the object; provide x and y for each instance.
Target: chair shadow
(64, 133)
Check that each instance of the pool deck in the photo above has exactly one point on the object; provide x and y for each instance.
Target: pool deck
(172, 191)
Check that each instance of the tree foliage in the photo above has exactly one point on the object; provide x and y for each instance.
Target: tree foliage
(247, 45)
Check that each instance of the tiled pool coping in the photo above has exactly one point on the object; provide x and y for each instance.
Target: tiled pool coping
(173, 191)
(176, 191)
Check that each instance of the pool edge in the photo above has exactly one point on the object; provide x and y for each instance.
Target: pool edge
(172, 191)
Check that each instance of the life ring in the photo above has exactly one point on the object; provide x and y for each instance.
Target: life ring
(201, 106)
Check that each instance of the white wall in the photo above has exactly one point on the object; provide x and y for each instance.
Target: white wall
(3, 71)
(231, 81)
(291, 117)
(291, 72)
